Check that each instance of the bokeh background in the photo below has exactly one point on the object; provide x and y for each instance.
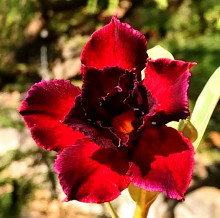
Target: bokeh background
(42, 39)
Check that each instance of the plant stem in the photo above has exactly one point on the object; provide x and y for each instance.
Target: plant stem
(111, 210)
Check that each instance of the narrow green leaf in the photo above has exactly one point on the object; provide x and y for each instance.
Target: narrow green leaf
(205, 105)
(159, 52)
(91, 6)
(112, 5)
(111, 210)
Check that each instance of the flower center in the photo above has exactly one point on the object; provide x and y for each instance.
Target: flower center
(122, 122)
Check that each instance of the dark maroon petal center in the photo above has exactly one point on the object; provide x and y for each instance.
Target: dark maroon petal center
(107, 96)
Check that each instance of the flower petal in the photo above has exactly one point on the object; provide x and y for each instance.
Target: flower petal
(44, 110)
(163, 161)
(96, 85)
(141, 101)
(78, 120)
(89, 173)
(168, 81)
(116, 44)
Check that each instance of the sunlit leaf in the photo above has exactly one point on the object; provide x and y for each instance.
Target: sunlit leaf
(162, 4)
(173, 124)
(12, 16)
(159, 52)
(91, 6)
(143, 199)
(205, 105)
(112, 5)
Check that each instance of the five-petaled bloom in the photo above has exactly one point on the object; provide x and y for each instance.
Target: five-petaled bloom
(113, 132)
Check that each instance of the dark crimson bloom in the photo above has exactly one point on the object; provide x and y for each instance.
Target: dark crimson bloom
(113, 132)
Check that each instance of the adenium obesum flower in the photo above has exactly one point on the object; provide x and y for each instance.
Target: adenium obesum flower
(113, 132)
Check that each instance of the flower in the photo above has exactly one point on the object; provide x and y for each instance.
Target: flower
(113, 132)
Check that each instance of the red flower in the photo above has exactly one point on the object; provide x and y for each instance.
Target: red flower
(113, 132)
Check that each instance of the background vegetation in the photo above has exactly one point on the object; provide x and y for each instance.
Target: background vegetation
(44, 38)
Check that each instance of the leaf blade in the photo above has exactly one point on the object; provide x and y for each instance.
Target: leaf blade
(205, 105)
(159, 52)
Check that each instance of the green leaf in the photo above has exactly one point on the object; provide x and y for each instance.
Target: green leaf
(173, 124)
(112, 5)
(111, 210)
(162, 4)
(205, 105)
(91, 6)
(159, 52)
(12, 16)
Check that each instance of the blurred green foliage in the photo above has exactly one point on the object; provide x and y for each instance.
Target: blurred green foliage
(17, 188)
(14, 16)
(188, 29)
(92, 6)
